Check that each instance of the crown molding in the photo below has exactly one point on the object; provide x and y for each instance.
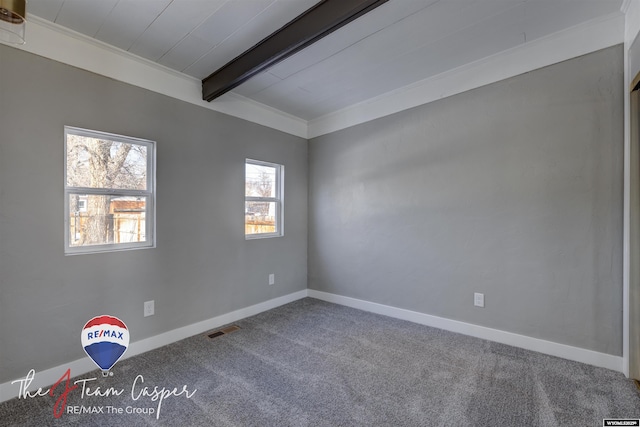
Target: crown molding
(61, 44)
(632, 20)
(575, 41)
(53, 41)
(239, 106)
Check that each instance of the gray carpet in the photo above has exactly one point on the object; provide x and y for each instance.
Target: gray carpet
(311, 363)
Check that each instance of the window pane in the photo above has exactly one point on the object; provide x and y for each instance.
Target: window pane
(260, 217)
(260, 181)
(101, 163)
(100, 220)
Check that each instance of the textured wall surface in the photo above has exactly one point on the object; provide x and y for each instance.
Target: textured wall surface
(513, 190)
(202, 266)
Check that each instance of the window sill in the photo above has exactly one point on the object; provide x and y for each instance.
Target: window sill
(262, 236)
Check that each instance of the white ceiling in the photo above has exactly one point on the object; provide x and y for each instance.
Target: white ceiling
(395, 45)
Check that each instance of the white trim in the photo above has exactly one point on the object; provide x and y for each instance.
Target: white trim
(632, 21)
(149, 194)
(542, 346)
(61, 44)
(80, 366)
(575, 41)
(238, 106)
(278, 199)
(626, 218)
(53, 41)
(47, 377)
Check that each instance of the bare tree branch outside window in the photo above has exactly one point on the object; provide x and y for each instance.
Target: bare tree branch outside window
(107, 190)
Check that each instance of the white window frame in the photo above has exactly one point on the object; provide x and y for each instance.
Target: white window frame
(278, 199)
(149, 194)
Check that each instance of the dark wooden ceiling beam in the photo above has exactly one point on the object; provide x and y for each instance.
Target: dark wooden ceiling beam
(314, 24)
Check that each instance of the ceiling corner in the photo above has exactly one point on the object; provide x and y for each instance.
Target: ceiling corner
(60, 44)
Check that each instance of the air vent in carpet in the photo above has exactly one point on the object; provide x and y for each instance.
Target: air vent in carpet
(223, 331)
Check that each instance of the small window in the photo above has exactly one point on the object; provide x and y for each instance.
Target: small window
(82, 204)
(109, 192)
(263, 189)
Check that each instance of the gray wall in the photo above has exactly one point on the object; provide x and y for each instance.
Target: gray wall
(202, 266)
(513, 190)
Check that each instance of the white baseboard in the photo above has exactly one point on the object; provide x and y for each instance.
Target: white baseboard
(47, 377)
(542, 346)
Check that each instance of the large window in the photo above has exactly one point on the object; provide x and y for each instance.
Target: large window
(263, 199)
(109, 192)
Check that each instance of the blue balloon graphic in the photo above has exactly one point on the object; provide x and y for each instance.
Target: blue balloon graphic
(105, 339)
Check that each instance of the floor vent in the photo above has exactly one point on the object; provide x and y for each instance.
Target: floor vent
(230, 329)
(223, 331)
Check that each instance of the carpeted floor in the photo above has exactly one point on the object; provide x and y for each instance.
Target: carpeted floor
(312, 363)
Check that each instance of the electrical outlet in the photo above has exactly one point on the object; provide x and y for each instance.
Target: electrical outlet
(149, 308)
(478, 299)
(272, 279)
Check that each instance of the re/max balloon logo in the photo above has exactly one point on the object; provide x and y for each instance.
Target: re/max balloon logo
(105, 339)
